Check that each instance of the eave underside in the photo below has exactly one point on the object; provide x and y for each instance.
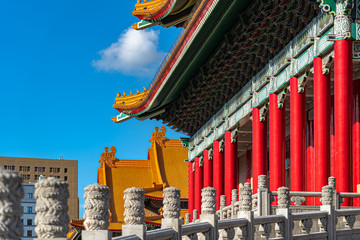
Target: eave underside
(254, 38)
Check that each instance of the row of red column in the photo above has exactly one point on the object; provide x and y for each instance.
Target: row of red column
(313, 142)
(219, 172)
(327, 145)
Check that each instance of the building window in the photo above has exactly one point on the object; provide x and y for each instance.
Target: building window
(29, 233)
(65, 170)
(36, 177)
(51, 169)
(36, 169)
(29, 210)
(65, 178)
(20, 168)
(5, 167)
(29, 195)
(28, 168)
(43, 169)
(29, 222)
(28, 177)
(13, 168)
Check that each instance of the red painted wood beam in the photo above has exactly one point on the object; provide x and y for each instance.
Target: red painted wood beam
(322, 115)
(259, 147)
(297, 136)
(276, 143)
(218, 172)
(208, 169)
(191, 189)
(356, 139)
(198, 184)
(230, 167)
(343, 112)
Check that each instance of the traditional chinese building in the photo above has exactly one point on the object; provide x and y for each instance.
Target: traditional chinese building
(164, 167)
(261, 88)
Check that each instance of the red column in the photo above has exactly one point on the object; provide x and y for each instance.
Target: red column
(191, 189)
(276, 143)
(248, 166)
(310, 161)
(332, 140)
(343, 111)
(208, 168)
(230, 167)
(297, 136)
(356, 140)
(218, 172)
(198, 184)
(259, 145)
(322, 107)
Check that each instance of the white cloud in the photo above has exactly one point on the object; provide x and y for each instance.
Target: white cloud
(135, 53)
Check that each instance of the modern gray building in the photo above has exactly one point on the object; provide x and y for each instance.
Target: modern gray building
(28, 206)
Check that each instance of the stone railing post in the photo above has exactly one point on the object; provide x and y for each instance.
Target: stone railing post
(187, 218)
(11, 193)
(246, 212)
(171, 211)
(234, 199)
(222, 205)
(96, 215)
(208, 210)
(328, 224)
(284, 229)
(134, 213)
(263, 197)
(195, 216)
(337, 200)
(51, 218)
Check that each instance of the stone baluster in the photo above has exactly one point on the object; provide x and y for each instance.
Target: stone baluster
(11, 193)
(96, 215)
(247, 231)
(171, 211)
(195, 216)
(51, 218)
(208, 210)
(328, 224)
(263, 197)
(284, 229)
(337, 200)
(187, 218)
(222, 205)
(134, 214)
(234, 199)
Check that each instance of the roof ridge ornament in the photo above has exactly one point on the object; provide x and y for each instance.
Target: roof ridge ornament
(109, 157)
(158, 137)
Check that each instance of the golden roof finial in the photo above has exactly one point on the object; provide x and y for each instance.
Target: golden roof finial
(144, 89)
(124, 94)
(119, 94)
(137, 91)
(131, 93)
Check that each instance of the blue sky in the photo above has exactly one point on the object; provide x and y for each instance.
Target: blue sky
(61, 65)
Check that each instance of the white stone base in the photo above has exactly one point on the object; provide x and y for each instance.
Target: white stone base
(138, 230)
(96, 235)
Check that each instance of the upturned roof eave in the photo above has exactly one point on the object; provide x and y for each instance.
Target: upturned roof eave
(159, 95)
